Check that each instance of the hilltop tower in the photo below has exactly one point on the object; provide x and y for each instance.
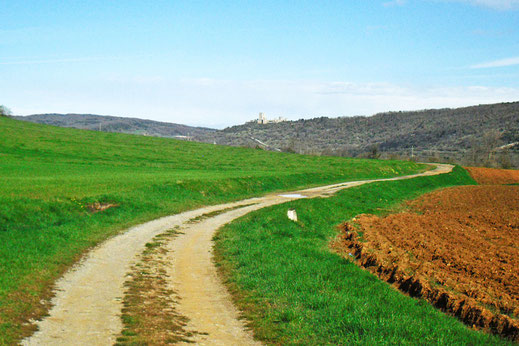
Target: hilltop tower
(262, 119)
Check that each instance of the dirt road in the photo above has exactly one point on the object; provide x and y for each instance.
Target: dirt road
(87, 306)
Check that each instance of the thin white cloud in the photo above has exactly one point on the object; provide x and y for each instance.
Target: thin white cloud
(502, 5)
(394, 3)
(56, 61)
(47, 61)
(498, 63)
(494, 4)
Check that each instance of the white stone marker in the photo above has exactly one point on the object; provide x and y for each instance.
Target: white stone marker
(292, 215)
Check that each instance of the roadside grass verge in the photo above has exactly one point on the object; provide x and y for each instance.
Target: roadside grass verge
(294, 290)
(54, 181)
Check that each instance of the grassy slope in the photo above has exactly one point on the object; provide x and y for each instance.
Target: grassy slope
(50, 175)
(294, 289)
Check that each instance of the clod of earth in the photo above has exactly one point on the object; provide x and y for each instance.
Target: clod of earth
(97, 207)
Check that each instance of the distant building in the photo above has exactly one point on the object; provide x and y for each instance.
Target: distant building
(185, 138)
(262, 119)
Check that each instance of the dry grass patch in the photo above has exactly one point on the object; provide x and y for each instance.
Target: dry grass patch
(149, 315)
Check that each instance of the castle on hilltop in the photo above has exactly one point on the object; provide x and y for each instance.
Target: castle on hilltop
(262, 119)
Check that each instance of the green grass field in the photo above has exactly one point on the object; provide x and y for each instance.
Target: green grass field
(50, 176)
(295, 290)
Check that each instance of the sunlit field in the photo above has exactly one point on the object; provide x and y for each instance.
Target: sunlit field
(55, 183)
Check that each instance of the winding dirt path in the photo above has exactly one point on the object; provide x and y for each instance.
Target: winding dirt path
(87, 306)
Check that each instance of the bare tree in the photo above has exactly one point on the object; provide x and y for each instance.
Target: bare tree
(373, 152)
(504, 160)
(4, 111)
(483, 149)
(291, 147)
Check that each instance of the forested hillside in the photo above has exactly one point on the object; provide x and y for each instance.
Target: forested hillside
(471, 135)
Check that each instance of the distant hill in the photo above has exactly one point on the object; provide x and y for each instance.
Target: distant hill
(468, 135)
(117, 124)
(486, 135)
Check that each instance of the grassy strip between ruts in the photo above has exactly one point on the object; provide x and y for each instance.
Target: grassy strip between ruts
(149, 316)
(55, 181)
(293, 289)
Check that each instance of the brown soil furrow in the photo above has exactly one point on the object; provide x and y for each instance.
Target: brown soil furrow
(494, 176)
(458, 248)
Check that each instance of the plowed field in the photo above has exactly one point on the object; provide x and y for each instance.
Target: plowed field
(493, 176)
(458, 248)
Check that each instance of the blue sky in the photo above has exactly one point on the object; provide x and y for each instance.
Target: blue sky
(219, 63)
